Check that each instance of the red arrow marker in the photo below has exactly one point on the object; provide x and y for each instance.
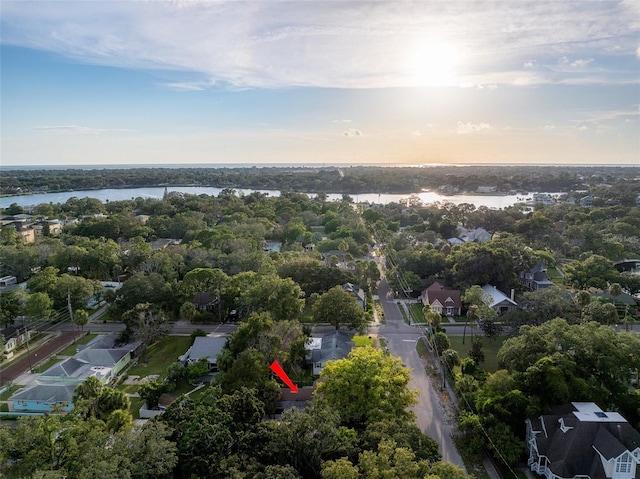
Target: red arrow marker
(276, 368)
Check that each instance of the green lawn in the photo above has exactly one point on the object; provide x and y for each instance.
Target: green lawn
(7, 394)
(46, 365)
(490, 349)
(361, 341)
(383, 343)
(72, 348)
(160, 355)
(403, 311)
(416, 313)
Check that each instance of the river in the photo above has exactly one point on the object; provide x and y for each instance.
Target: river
(113, 194)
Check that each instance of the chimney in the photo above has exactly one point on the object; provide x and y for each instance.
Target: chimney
(513, 294)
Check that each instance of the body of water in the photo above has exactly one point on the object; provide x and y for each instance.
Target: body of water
(113, 194)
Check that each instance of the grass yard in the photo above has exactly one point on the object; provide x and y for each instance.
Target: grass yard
(71, 349)
(46, 365)
(7, 394)
(383, 343)
(362, 341)
(403, 311)
(416, 313)
(160, 355)
(490, 349)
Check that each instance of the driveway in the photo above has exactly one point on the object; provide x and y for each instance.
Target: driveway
(401, 341)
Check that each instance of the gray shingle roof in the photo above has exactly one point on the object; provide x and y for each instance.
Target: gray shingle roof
(48, 393)
(576, 450)
(205, 347)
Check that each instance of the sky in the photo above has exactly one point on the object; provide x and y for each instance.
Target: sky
(311, 82)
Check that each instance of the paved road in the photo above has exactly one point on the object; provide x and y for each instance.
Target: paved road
(35, 355)
(401, 341)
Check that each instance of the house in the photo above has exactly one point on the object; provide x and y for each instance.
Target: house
(479, 235)
(536, 277)
(333, 346)
(444, 301)
(543, 199)
(498, 300)
(206, 302)
(454, 241)
(628, 266)
(43, 398)
(357, 293)
(582, 441)
(204, 347)
(104, 364)
(100, 358)
(586, 201)
(7, 281)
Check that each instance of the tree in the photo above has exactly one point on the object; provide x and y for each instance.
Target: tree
(615, 290)
(582, 299)
(150, 391)
(476, 353)
(306, 439)
(476, 300)
(594, 271)
(188, 311)
(146, 323)
(338, 307)
(81, 318)
(432, 317)
(441, 342)
(593, 359)
(491, 328)
(368, 385)
(38, 306)
(548, 303)
(10, 306)
(451, 359)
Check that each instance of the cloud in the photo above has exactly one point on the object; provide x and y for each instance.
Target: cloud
(341, 121)
(549, 127)
(583, 128)
(337, 44)
(352, 132)
(638, 52)
(76, 130)
(470, 128)
(416, 133)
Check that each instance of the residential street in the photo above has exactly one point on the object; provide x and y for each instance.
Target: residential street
(401, 341)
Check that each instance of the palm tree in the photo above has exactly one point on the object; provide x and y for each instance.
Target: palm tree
(582, 299)
(615, 290)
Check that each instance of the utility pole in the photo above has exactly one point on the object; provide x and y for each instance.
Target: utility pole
(27, 334)
(71, 312)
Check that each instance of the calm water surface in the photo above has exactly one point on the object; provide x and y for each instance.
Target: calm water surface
(490, 201)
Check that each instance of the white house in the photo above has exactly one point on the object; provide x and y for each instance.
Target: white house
(499, 301)
(205, 347)
(580, 441)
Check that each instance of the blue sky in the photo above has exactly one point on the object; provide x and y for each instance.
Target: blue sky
(308, 82)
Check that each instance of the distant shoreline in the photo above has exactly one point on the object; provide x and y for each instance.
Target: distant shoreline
(298, 166)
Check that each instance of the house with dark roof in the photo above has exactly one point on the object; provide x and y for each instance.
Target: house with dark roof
(498, 300)
(357, 293)
(536, 277)
(204, 347)
(336, 345)
(43, 398)
(206, 301)
(442, 300)
(580, 441)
